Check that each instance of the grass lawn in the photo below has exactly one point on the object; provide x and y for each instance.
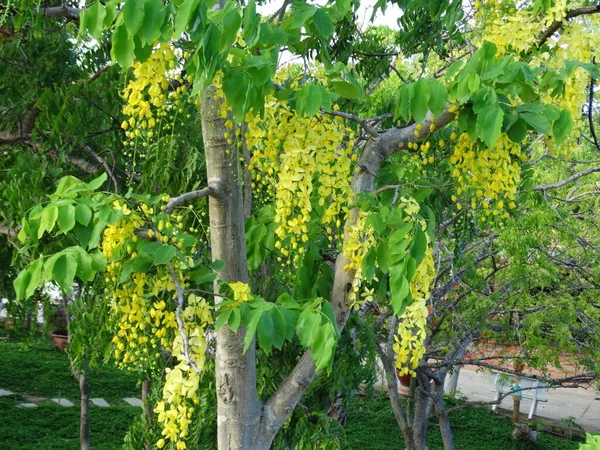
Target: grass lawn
(33, 369)
(36, 368)
(371, 425)
(53, 427)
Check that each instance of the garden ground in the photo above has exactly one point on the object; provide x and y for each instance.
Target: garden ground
(36, 372)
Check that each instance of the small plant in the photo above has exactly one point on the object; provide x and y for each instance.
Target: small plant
(536, 425)
(58, 318)
(571, 425)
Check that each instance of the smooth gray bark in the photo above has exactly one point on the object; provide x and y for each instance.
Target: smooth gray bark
(238, 409)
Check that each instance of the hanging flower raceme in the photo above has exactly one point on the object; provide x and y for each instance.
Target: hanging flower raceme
(303, 163)
(409, 341)
(490, 176)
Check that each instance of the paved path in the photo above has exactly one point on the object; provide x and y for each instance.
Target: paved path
(35, 401)
(582, 404)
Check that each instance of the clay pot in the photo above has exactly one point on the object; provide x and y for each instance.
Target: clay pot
(60, 339)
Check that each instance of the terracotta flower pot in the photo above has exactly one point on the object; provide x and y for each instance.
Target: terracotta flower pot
(60, 339)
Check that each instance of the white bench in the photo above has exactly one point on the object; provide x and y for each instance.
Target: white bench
(503, 383)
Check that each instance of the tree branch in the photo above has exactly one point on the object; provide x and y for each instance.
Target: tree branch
(87, 149)
(188, 197)
(570, 15)
(180, 327)
(9, 232)
(558, 184)
(63, 11)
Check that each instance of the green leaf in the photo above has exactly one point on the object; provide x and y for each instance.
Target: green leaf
(98, 261)
(279, 327)
(122, 46)
(133, 16)
(402, 109)
(85, 270)
(95, 19)
(265, 332)
(96, 234)
(345, 89)
(467, 121)
(217, 265)
(313, 99)
(323, 24)
(327, 309)
(21, 283)
(97, 182)
(35, 279)
(489, 124)
(537, 121)
(419, 245)
(83, 214)
(383, 257)
(142, 263)
(322, 348)
(438, 97)
(301, 14)
(64, 271)
(250, 24)
(419, 99)
(164, 254)
(155, 12)
(47, 220)
(202, 275)
(234, 320)
(562, 126)
(399, 287)
(307, 327)
(66, 218)
(251, 323)
(467, 84)
(517, 131)
(182, 16)
(222, 318)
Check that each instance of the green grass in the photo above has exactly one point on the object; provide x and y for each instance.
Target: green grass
(371, 425)
(33, 368)
(36, 368)
(53, 427)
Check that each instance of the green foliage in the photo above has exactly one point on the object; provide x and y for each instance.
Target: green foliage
(371, 425)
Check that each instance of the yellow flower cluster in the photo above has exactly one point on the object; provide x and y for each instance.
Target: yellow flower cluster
(149, 102)
(409, 340)
(301, 161)
(180, 392)
(241, 292)
(491, 176)
(518, 30)
(359, 239)
(579, 40)
(143, 308)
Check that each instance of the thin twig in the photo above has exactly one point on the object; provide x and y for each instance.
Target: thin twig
(180, 301)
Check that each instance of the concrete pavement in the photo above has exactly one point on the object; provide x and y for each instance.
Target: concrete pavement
(582, 404)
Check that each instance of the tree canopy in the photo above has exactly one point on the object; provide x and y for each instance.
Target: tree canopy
(247, 194)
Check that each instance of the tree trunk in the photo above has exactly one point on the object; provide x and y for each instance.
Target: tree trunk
(84, 416)
(148, 410)
(238, 408)
(442, 416)
(421, 416)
